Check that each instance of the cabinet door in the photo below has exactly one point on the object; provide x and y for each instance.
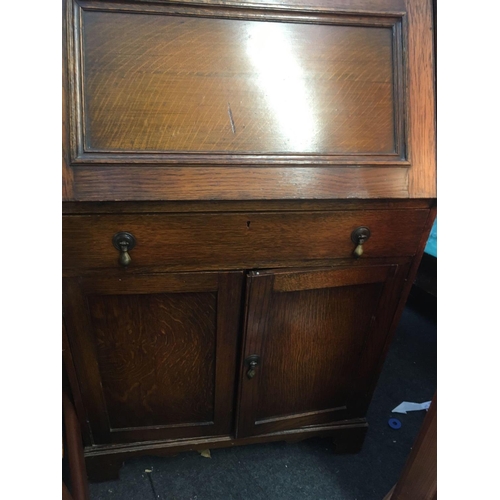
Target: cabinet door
(155, 354)
(319, 335)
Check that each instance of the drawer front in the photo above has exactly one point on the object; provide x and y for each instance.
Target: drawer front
(238, 240)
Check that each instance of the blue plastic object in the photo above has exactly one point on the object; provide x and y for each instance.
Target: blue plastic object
(431, 246)
(394, 423)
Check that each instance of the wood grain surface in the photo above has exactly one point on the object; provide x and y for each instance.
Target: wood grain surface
(72, 442)
(373, 7)
(148, 183)
(72, 387)
(156, 83)
(297, 280)
(137, 207)
(241, 239)
(239, 135)
(67, 171)
(368, 104)
(421, 100)
(155, 364)
(311, 342)
(156, 355)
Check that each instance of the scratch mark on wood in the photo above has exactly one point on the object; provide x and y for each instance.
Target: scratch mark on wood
(229, 112)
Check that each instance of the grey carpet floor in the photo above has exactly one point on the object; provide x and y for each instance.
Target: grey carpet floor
(309, 469)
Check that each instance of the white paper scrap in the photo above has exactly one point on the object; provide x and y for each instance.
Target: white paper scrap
(405, 407)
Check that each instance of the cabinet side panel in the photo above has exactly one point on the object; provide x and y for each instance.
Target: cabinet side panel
(421, 100)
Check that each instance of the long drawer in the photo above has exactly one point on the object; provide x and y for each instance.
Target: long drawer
(243, 240)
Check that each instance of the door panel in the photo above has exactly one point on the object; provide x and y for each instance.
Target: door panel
(316, 336)
(155, 354)
(311, 330)
(153, 351)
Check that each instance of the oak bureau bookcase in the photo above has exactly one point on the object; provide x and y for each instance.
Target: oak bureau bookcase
(247, 191)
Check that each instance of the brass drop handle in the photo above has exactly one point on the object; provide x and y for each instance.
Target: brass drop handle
(124, 242)
(359, 237)
(124, 258)
(251, 372)
(252, 362)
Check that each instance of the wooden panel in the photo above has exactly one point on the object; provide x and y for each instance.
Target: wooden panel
(72, 442)
(156, 355)
(222, 85)
(67, 171)
(238, 239)
(147, 183)
(174, 283)
(138, 207)
(174, 83)
(422, 101)
(303, 280)
(390, 7)
(158, 365)
(311, 343)
(72, 388)
(413, 110)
